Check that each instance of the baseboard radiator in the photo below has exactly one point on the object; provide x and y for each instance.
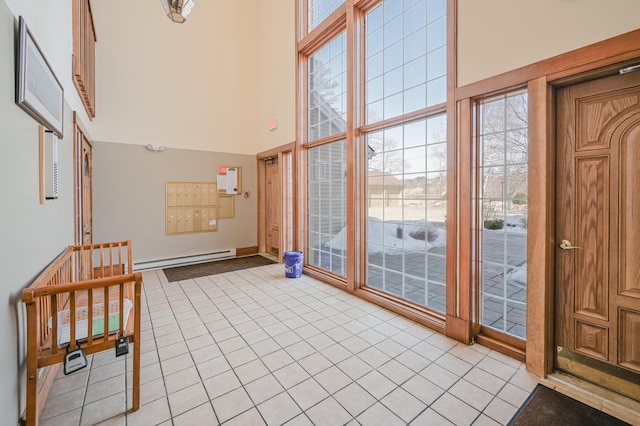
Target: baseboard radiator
(183, 260)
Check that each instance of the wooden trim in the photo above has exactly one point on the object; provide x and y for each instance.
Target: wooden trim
(262, 205)
(332, 25)
(326, 140)
(325, 277)
(606, 52)
(360, 152)
(78, 127)
(501, 346)
(275, 151)
(458, 329)
(83, 56)
(406, 118)
(352, 150)
(460, 240)
(262, 202)
(541, 225)
(246, 251)
(399, 306)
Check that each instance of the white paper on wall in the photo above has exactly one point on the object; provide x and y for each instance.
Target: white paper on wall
(232, 181)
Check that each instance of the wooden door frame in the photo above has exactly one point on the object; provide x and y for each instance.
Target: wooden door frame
(78, 126)
(541, 78)
(285, 228)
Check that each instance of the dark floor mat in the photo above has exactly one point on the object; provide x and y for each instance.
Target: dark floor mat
(546, 407)
(180, 273)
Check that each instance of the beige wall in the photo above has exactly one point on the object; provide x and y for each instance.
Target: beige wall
(129, 199)
(32, 234)
(210, 84)
(276, 53)
(501, 35)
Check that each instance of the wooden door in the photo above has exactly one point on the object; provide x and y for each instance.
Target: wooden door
(86, 196)
(273, 199)
(598, 232)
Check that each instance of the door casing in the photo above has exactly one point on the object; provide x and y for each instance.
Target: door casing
(83, 180)
(597, 303)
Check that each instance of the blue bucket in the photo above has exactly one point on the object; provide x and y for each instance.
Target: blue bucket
(293, 264)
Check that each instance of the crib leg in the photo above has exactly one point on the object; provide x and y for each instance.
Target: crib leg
(32, 367)
(32, 404)
(136, 374)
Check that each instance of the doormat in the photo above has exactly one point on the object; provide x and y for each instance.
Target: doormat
(187, 272)
(549, 408)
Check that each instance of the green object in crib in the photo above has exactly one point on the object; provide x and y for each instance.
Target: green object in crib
(114, 323)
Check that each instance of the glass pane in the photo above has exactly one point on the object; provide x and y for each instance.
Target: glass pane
(503, 201)
(412, 37)
(319, 10)
(327, 89)
(406, 233)
(327, 207)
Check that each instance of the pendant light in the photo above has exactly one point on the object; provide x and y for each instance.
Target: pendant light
(177, 10)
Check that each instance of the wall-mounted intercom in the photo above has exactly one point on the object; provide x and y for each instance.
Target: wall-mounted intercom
(50, 165)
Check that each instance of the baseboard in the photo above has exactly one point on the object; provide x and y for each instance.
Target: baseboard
(183, 260)
(246, 251)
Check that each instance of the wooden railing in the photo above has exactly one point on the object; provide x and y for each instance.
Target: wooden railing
(87, 297)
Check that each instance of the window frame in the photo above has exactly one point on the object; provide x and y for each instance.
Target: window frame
(484, 333)
(350, 17)
(83, 57)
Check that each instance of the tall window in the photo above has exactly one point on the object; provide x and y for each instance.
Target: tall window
(327, 163)
(406, 57)
(319, 10)
(406, 235)
(327, 89)
(407, 175)
(502, 197)
(395, 101)
(328, 207)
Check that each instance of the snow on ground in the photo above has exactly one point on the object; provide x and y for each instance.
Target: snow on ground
(384, 236)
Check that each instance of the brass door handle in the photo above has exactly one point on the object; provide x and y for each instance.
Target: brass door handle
(566, 245)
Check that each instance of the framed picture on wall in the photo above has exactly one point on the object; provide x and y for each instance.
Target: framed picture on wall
(38, 90)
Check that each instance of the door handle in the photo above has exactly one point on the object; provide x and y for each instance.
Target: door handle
(566, 245)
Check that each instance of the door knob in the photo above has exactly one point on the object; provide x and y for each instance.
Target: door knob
(566, 245)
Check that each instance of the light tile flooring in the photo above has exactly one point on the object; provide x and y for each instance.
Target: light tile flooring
(253, 347)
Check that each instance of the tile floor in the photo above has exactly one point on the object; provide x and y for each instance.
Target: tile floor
(252, 347)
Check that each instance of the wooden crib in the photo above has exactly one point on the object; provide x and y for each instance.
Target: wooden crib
(87, 297)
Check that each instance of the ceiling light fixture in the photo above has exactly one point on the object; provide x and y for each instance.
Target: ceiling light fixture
(177, 10)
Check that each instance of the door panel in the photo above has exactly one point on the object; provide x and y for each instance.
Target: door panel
(274, 206)
(630, 206)
(598, 235)
(86, 200)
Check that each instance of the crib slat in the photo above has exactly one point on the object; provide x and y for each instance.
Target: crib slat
(106, 313)
(89, 317)
(53, 312)
(72, 320)
(121, 310)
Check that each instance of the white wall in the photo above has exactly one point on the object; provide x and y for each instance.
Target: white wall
(501, 35)
(32, 234)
